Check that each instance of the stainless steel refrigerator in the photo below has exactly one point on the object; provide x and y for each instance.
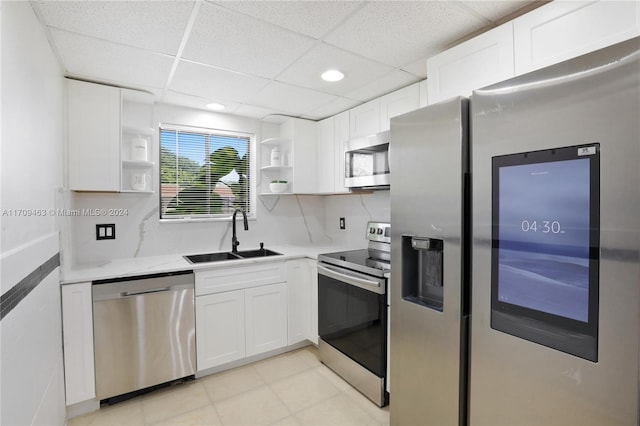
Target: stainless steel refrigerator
(515, 221)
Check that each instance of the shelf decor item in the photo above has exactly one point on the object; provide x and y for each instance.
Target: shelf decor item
(138, 181)
(278, 186)
(138, 149)
(275, 157)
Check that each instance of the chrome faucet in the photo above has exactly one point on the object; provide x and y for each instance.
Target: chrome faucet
(234, 239)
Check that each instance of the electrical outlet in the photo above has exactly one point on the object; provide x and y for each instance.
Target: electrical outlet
(342, 224)
(106, 231)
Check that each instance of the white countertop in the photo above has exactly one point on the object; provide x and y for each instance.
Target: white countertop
(129, 267)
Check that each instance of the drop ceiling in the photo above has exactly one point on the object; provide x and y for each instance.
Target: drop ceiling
(262, 59)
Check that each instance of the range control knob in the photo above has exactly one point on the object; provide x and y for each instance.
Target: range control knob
(372, 230)
(379, 231)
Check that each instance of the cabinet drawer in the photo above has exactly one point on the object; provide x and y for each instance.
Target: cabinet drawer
(239, 277)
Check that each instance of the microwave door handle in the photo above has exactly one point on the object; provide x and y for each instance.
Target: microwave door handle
(389, 158)
(352, 279)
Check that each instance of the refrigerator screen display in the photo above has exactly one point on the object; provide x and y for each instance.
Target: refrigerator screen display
(545, 236)
(543, 258)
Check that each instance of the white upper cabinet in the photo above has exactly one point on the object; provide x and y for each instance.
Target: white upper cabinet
(562, 30)
(93, 114)
(479, 62)
(397, 103)
(364, 120)
(332, 134)
(297, 165)
(341, 134)
(326, 149)
(424, 93)
(109, 137)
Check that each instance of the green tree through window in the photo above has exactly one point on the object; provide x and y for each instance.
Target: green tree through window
(203, 174)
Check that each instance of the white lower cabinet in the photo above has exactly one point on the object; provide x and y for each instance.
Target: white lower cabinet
(266, 318)
(302, 300)
(240, 312)
(77, 329)
(220, 328)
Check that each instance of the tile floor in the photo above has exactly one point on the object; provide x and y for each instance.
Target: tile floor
(289, 389)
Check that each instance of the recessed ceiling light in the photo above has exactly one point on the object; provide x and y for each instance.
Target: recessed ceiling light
(215, 107)
(332, 75)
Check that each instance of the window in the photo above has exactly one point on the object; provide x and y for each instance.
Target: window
(204, 173)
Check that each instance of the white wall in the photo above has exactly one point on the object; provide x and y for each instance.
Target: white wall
(31, 144)
(357, 210)
(279, 220)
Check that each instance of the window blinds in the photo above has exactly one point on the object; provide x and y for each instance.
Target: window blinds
(203, 173)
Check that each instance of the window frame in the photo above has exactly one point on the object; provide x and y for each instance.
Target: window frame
(253, 185)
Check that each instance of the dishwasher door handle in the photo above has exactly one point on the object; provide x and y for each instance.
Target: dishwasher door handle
(136, 293)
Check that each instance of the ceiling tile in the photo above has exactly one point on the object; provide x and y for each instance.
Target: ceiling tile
(293, 100)
(417, 68)
(332, 108)
(358, 71)
(227, 39)
(196, 102)
(215, 83)
(311, 18)
(494, 10)
(153, 25)
(400, 32)
(395, 80)
(111, 62)
(263, 114)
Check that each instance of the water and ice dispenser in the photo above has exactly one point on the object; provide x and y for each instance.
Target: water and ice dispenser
(422, 271)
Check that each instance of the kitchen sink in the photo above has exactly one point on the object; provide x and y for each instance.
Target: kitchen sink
(226, 255)
(257, 253)
(211, 257)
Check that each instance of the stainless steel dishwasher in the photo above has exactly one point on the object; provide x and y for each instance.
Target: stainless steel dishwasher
(144, 331)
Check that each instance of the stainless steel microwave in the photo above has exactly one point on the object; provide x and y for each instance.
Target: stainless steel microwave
(367, 162)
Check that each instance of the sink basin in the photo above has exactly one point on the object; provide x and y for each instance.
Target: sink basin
(257, 253)
(211, 257)
(226, 255)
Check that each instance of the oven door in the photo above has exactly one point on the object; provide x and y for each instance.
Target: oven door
(352, 315)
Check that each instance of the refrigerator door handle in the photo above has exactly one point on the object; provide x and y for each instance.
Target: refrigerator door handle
(353, 278)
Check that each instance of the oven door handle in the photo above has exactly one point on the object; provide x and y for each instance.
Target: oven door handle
(353, 278)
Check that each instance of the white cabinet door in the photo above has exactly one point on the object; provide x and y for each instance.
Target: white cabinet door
(93, 135)
(266, 318)
(364, 120)
(313, 329)
(481, 61)
(220, 328)
(77, 329)
(302, 134)
(424, 93)
(326, 155)
(397, 103)
(562, 30)
(341, 132)
(298, 300)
